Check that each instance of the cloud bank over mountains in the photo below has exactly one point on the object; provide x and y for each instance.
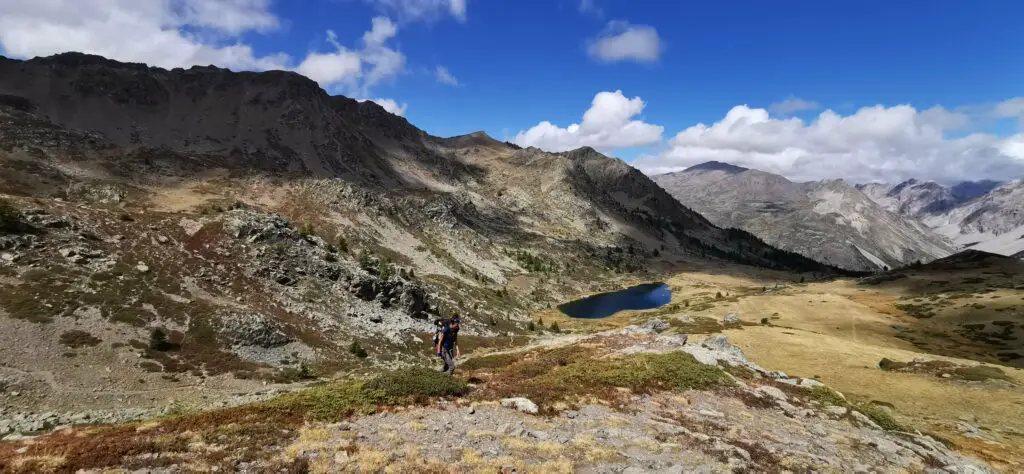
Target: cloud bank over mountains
(876, 143)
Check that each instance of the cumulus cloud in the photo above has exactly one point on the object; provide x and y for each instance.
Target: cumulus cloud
(793, 104)
(390, 105)
(873, 144)
(169, 33)
(445, 77)
(332, 68)
(621, 41)
(1011, 108)
(184, 33)
(606, 125)
(422, 10)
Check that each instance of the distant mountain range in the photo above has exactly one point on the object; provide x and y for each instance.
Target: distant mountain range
(987, 216)
(829, 221)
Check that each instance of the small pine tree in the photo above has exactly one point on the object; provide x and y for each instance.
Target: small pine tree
(10, 217)
(531, 327)
(342, 244)
(540, 321)
(403, 274)
(306, 230)
(801, 279)
(412, 274)
(357, 350)
(656, 253)
(764, 320)
(718, 295)
(158, 340)
(384, 269)
(364, 260)
(555, 328)
(305, 372)
(686, 303)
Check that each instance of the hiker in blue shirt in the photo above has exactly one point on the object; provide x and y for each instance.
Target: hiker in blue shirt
(448, 344)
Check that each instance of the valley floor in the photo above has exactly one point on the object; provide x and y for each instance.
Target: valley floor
(838, 332)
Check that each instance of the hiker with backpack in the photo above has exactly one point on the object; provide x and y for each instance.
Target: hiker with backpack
(448, 344)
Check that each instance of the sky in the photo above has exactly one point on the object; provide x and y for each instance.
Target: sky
(864, 91)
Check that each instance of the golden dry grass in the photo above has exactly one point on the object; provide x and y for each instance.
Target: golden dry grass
(838, 331)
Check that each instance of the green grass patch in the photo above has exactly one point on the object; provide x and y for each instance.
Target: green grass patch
(640, 373)
(569, 373)
(880, 417)
(826, 395)
(415, 384)
(981, 373)
(335, 401)
(494, 361)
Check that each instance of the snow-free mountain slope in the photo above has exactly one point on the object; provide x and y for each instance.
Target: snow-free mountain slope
(829, 221)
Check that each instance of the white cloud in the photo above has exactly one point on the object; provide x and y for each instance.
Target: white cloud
(230, 16)
(621, 41)
(354, 72)
(606, 125)
(873, 144)
(793, 104)
(1011, 108)
(458, 9)
(422, 10)
(167, 33)
(184, 33)
(342, 65)
(445, 77)
(390, 105)
(384, 62)
(381, 30)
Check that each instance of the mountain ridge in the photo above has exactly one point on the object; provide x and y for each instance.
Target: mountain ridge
(826, 220)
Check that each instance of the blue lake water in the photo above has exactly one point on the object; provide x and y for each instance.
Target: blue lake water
(602, 305)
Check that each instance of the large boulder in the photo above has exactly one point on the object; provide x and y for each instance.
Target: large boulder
(253, 330)
(414, 300)
(655, 325)
(522, 404)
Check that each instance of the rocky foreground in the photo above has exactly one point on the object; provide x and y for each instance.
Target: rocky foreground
(632, 400)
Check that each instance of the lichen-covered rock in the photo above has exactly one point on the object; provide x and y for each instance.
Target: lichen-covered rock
(655, 325)
(524, 405)
(253, 330)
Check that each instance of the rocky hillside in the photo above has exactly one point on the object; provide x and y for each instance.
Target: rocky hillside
(626, 401)
(271, 232)
(984, 216)
(828, 221)
(912, 198)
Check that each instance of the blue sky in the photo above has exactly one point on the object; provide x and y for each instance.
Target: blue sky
(521, 63)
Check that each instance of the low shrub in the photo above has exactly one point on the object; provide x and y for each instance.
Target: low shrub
(889, 364)
(495, 361)
(357, 350)
(76, 338)
(10, 218)
(158, 340)
(416, 384)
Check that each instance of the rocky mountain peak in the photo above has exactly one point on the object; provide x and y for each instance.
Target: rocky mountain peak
(717, 166)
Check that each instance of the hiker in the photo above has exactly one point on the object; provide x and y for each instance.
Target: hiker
(448, 344)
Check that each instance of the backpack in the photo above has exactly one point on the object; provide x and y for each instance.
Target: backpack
(437, 331)
(453, 329)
